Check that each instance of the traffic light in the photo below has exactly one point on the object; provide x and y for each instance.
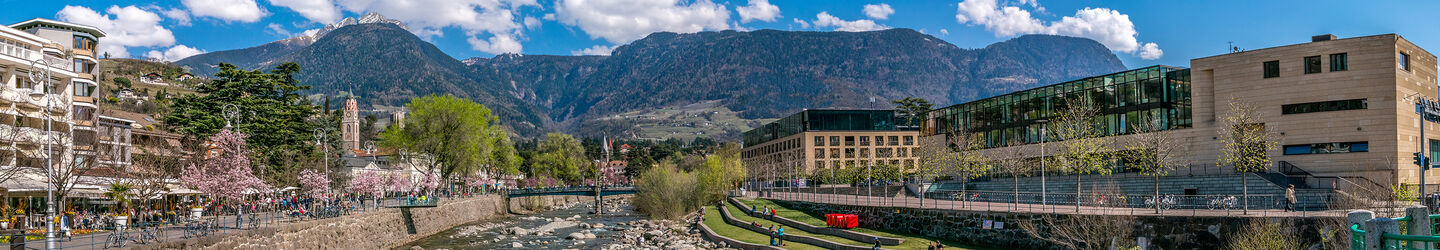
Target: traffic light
(1419, 160)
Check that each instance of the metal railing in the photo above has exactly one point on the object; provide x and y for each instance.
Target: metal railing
(160, 228)
(1397, 241)
(1307, 204)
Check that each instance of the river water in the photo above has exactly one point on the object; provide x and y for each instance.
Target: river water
(495, 233)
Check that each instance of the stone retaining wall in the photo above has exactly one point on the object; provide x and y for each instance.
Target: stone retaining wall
(382, 229)
(852, 235)
(1163, 232)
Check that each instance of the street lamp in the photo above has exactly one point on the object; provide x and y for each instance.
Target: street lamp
(1043, 123)
(320, 134)
(231, 114)
(43, 81)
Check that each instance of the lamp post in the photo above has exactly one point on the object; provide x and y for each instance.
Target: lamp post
(320, 134)
(1043, 124)
(42, 80)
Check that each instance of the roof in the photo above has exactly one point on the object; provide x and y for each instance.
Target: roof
(33, 22)
(152, 74)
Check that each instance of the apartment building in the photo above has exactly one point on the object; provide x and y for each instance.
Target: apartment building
(820, 139)
(72, 47)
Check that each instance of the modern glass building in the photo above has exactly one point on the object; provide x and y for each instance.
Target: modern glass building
(1125, 100)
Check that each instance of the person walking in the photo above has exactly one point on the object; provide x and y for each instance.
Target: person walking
(1290, 198)
(877, 243)
(771, 231)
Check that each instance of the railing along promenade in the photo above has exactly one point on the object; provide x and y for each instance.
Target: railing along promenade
(1254, 205)
(1416, 230)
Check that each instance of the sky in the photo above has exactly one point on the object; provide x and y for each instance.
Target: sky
(1140, 33)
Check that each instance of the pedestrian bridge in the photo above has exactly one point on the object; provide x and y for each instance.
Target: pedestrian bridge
(578, 190)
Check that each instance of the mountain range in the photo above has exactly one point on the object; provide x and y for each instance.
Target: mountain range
(759, 74)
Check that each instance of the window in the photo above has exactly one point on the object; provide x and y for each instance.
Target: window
(1301, 108)
(879, 140)
(819, 141)
(849, 141)
(1312, 64)
(1404, 61)
(894, 141)
(819, 153)
(1272, 69)
(864, 141)
(834, 141)
(1327, 148)
(819, 164)
(909, 140)
(834, 153)
(849, 153)
(1339, 62)
(864, 153)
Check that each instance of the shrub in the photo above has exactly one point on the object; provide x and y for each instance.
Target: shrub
(665, 193)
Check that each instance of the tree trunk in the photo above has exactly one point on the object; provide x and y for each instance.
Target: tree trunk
(963, 199)
(1077, 192)
(1016, 183)
(1156, 178)
(1245, 192)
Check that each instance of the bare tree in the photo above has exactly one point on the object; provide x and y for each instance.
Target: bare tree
(969, 160)
(936, 158)
(1247, 143)
(1155, 151)
(1083, 147)
(1083, 231)
(1013, 162)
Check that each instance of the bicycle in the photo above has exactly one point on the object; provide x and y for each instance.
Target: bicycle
(147, 235)
(1165, 202)
(1223, 203)
(116, 239)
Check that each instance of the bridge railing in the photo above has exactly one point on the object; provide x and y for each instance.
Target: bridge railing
(1416, 230)
(565, 189)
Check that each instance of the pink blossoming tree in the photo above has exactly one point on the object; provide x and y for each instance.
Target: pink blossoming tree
(367, 183)
(314, 182)
(227, 175)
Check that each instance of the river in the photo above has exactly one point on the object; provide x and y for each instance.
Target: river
(555, 228)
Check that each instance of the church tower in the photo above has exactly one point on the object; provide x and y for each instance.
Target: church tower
(350, 124)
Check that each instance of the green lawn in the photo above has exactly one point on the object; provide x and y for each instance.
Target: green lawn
(909, 242)
(717, 224)
(793, 231)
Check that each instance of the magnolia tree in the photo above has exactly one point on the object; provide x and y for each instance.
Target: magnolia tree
(430, 181)
(314, 182)
(398, 182)
(367, 183)
(227, 175)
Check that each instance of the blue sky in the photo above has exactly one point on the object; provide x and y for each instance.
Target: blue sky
(1139, 32)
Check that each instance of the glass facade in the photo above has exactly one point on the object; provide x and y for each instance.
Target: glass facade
(827, 120)
(1126, 100)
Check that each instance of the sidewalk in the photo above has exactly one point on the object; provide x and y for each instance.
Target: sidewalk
(913, 202)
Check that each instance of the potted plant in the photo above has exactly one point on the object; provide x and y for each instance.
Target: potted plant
(118, 193)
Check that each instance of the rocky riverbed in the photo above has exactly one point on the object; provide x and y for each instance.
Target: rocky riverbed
(570, 227)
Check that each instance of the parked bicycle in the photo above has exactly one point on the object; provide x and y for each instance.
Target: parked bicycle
(1227, 202)
(1165, 202)
(116, 239)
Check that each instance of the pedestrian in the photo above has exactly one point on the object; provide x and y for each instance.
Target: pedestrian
(939, 246)
(929, 245)
(771, 231)
(877, 243)
(780, 235)
(1290, 198)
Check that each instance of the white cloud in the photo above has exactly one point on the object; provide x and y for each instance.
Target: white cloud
(497, 44)
(802, 23)
(130, 27)
(319, 11)
(944, 32)
(279, 30)
(878, 11)
(549, 16)
(245, 11)
(622, 21)
(174, 53)
(824, 19)
(758, 10)
(1151, 51)
(477, 18)
(180, 17)
(597, 50)
(1109, 27)
(532, 23)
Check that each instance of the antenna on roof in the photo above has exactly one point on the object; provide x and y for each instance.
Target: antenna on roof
(1234, 49)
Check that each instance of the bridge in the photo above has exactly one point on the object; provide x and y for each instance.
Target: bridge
(405, 204)
(579, 191)
(598, 191)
